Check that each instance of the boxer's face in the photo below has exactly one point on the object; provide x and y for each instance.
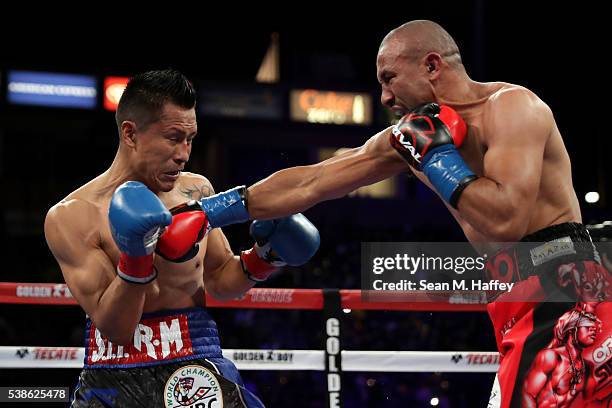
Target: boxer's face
(404, 81)
(163, 147)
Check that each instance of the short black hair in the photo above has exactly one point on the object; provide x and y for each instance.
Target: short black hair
(146, 93)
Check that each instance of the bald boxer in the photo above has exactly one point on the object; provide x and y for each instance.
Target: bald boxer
(138, 246)
(494, 155)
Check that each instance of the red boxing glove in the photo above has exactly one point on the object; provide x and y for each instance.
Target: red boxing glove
(260, 262)
(180, 240)
(455, 124)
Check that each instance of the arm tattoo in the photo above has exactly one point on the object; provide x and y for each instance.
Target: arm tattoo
(196, 192)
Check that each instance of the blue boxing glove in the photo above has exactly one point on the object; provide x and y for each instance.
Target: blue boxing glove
(136, 216)
(291, 241)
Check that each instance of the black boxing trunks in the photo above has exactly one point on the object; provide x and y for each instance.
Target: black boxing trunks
(175, 361)
(553, 330)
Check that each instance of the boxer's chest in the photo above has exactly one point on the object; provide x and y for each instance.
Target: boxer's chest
(170, 273)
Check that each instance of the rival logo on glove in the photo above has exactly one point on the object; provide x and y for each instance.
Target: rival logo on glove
(404, 131)
(399, 141)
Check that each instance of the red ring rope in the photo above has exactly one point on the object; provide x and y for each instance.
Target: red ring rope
(256, 298)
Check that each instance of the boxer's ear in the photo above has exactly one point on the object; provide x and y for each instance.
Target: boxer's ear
(433, 62)
(127, 133)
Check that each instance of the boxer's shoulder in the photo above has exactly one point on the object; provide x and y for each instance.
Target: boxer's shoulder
(193, 186)
(77, 207)
(189, 177)
(73, 216)
(70, 224)
(81, 211)
(515, 107)
(505, 95)
(94, 196)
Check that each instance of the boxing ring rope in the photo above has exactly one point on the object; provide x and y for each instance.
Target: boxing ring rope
(270, 359)
(332, 360)
(256, 298)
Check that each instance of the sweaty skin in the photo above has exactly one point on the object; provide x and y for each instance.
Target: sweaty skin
(512, 144)
(78, 233)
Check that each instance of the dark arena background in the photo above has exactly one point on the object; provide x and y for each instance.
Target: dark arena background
(275, 93)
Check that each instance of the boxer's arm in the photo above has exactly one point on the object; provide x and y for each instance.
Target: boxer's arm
(296, 189)
(114, 305)
(224, 277)
(223, 274)
(499, 203)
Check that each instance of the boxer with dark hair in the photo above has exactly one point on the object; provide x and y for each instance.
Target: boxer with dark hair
(138, 246)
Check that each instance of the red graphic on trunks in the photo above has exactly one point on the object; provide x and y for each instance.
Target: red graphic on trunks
(590, 280)
(559, 373)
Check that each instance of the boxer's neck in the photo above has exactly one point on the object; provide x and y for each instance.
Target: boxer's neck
(122, 170)
(455, 87)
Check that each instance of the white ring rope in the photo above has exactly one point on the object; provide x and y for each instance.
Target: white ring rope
(261, 359)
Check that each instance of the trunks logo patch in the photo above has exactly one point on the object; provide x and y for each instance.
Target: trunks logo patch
(193, 386)
(551, 250)
(162, 338)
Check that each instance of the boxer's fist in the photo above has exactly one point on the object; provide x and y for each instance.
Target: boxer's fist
(180, 240)
(136, 216)
(428, 138)
(291, 241)
(425, 128)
